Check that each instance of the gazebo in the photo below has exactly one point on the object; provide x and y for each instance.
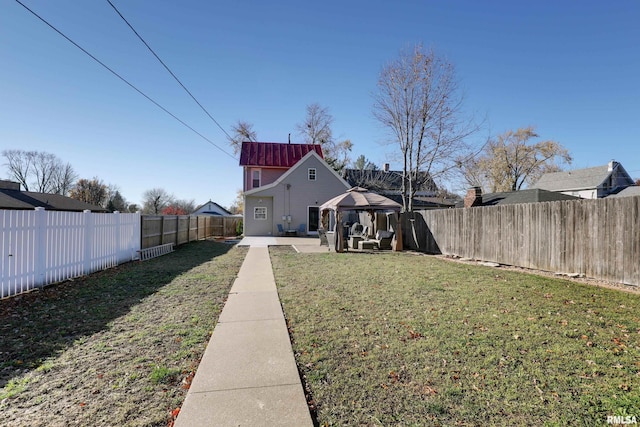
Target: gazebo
(358, 199)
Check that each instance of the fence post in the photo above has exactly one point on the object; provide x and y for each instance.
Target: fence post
(118, 247)
(40, 240)
(162, 229)
(88, 240)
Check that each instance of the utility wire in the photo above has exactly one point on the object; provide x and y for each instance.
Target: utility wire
(167, 68)
(123, 79)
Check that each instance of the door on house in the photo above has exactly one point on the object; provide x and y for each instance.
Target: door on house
(313, 219)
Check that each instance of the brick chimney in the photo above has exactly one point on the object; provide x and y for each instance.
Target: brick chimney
(9, 185)
(473, 197)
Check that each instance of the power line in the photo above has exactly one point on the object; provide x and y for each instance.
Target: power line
(123, 79)
(167, 68)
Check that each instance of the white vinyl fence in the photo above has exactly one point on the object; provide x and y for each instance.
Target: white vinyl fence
(41, 247)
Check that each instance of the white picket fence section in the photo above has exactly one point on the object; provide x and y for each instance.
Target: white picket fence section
(41, 247)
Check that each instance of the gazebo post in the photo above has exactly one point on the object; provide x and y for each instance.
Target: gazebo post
(339, 230)
(397, 237)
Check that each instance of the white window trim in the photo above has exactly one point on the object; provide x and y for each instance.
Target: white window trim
(259, 217)
(315, 174)
(253, 171)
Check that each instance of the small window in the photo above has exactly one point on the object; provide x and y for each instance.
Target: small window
(256, 179)
(312, 174)
(260, 213)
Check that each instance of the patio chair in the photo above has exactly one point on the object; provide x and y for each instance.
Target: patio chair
(383, 239)
(356, 229)
(357, 234)
(280, 230)
(302, 229)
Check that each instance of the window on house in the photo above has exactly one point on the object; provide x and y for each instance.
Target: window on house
(260, 213)
(312, 174)
(256, 179)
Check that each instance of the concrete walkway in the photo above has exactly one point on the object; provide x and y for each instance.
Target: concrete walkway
(248, 375)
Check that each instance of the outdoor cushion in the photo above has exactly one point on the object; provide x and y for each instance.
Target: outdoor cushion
(383, 239)
(383, 234)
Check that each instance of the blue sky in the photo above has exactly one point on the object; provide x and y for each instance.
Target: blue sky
(571, 69)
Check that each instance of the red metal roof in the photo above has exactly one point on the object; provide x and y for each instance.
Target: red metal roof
(273, 154)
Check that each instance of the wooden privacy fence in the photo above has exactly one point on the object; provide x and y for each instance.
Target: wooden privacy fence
(41, 247)
(598, 238)
(179, 229)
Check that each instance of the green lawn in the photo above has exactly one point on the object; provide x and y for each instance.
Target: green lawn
(116, 348)
(402, 339)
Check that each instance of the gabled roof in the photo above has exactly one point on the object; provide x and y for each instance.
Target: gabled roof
(16, 199)
(220, 210)
(385, 182)
(292, 170)
(579, 179)
(273, 154)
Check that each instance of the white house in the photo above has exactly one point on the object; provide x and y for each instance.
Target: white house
(291, 201)
(211, 208)
(589, 183)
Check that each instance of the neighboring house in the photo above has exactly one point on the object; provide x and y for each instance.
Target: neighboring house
(627, 192)
(426, 203)
(388, 182)
(211, 208)
(285, 184)
(475, 197)
(589, 183)
(12, 198)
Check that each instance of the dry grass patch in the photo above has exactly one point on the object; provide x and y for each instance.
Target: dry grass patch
(115, 348)
(400, 339)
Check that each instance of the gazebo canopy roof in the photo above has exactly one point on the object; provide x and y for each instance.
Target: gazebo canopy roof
(358, 198)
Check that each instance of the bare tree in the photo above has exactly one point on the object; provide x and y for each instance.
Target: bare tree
(242, 131)
(155, 200)
(44, 169)
(92, 191)
(63, 179)
(39, 171)
(419, 102)
(20, 164)
(316, 129)
(510, 162)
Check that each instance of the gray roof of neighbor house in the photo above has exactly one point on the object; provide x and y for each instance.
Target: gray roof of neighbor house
(530, 195)
(627, 192)
(385, 181)
(422, 202)
(578, 179)
(16, 199)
